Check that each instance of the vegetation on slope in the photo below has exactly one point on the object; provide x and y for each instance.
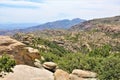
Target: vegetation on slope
(96, 47)
(99, 59)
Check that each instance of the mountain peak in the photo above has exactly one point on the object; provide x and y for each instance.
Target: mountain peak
(76, 19)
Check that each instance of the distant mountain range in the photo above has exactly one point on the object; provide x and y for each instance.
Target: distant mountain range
(13, 26)
(59, 24)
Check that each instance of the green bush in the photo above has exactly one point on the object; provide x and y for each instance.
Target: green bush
(6, 63)
(103, 51)
(99, 60)
(109, 68)
(54, 47)
(50, 57)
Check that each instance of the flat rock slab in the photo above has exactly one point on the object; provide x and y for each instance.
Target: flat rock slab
(24, 72)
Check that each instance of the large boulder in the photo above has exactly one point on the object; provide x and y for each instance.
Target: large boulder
(37, 63)
(75, 77)
(50, 66)
(24, 72)
(18, 51)
(61, 75)
(84, 74)
(32, 50)
(7, 43)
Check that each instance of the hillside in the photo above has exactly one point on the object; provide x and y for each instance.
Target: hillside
(112, 22)
(89, 34)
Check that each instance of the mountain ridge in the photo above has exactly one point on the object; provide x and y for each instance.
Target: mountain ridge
(59, 24)
(13, 26)
(94, 23)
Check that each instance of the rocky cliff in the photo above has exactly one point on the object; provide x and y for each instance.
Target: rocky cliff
(17, 50)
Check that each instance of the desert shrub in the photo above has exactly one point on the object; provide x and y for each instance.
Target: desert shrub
(116, 48)
(103, 51)
(6, 63)
(99, 60)
(50, 57)
(70, 61)
(54, 47)
(78, 61)
(74, 38)
(109, 68)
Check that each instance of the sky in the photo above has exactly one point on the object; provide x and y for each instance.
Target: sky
(41, 11)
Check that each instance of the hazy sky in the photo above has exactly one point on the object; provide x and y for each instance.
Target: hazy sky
(40, 11)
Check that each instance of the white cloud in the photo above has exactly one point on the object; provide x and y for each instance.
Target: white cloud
(20, 3)
(50, 10)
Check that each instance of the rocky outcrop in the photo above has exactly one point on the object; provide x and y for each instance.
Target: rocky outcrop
(18, 51)
(83, 73)
(50, 66)
(7, 44)
(74, 77)
(24, 72)
(37, 63)
(31, 50)
(61, 75)
(110, 28)
(78, 74)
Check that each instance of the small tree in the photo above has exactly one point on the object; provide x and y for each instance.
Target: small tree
(6, 63)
